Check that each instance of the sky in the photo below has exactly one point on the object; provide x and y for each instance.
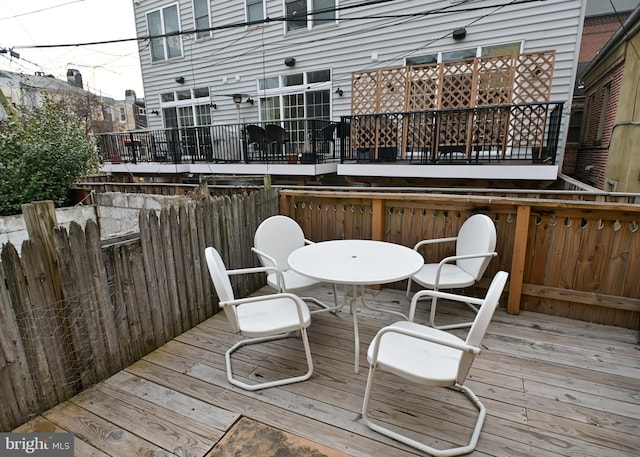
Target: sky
(108, 69)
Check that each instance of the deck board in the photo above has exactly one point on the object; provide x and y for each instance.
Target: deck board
(552, 386)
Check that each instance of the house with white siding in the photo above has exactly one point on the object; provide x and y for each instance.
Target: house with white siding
(491, 79)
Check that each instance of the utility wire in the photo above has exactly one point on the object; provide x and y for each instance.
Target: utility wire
(444, 10)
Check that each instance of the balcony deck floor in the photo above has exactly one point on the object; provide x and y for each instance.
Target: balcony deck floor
(551, 386)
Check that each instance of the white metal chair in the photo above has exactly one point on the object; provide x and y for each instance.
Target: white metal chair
(275, 239)
(475, 245)
(432, 357)
(259, 319)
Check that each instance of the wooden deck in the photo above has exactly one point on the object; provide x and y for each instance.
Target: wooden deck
(552, 386)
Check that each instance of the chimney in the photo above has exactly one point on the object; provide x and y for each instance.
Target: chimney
(74, 77)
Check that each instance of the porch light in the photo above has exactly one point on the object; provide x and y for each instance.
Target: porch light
(180, 79)
(339, 92)
(237, 98)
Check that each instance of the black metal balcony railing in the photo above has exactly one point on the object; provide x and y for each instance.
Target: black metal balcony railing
(467, 135)
(304, 141)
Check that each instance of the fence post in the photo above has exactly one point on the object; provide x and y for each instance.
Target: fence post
(377, 219)
(40, 219)
(518, 259)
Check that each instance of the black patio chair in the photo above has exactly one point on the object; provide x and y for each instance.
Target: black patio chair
(256, 136)
(276, 137)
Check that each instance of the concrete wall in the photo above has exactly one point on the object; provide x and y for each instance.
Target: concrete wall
(13, 229)
(118, 212)
(115, 212)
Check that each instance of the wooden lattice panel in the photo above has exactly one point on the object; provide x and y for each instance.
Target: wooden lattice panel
(527, 125)
(490, 127)
(392, 84)
(424, 81)
(364, 92)
(419, 129)
(494, 81)
(457, 84)
(363, 132)
(534, 75)
(389, 129)
(453, 128)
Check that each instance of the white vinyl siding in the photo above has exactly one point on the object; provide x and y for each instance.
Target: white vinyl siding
(250, 60)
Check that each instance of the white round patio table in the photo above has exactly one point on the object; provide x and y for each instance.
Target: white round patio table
(356, 263)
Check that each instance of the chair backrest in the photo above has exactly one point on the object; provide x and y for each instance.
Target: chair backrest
(221, 282)
(255, 134)
(275, 134)
(477, 235)
(327, 132)
(278, 236)
(481, 322)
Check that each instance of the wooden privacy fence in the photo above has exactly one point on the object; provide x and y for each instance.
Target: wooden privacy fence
(74, 311)
(569, 258)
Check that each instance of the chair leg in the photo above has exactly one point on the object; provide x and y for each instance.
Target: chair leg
(408, 287)
(280, 382)
(473, 441)
(323, 306)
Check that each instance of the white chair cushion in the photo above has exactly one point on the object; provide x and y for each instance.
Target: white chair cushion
(418, 360)
(294, 282)
(270, 317)
(451, 277)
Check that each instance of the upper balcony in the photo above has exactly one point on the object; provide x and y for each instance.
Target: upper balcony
(432, 143)
(429, 121)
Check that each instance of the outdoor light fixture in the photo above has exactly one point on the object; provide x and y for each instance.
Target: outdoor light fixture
(339, 92)
(180, 79)
(250, 100)
(459, 34)
(237, 98)
(155, 111)
(290, 61)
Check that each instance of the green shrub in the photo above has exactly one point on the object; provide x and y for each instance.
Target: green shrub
(43, 151)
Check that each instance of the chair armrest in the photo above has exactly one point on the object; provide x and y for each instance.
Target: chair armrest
(264, 257)
(434, 241)
(454, 258)
(297, 300)
(241, 271)
(421, 336)
(446, 295)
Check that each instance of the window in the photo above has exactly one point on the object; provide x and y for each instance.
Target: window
(161, 23)
(298, 16)
(295, 98)
(123, 115)
(202, 19)
(186, 107)
(255, 10)
(461, 54)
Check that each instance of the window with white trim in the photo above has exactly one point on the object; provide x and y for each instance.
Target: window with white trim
(202, 18)
(460, 54)
(306, 14)
(295, 98)
(123, 114)
(186, 108)
(161, 24)
(255, 10)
